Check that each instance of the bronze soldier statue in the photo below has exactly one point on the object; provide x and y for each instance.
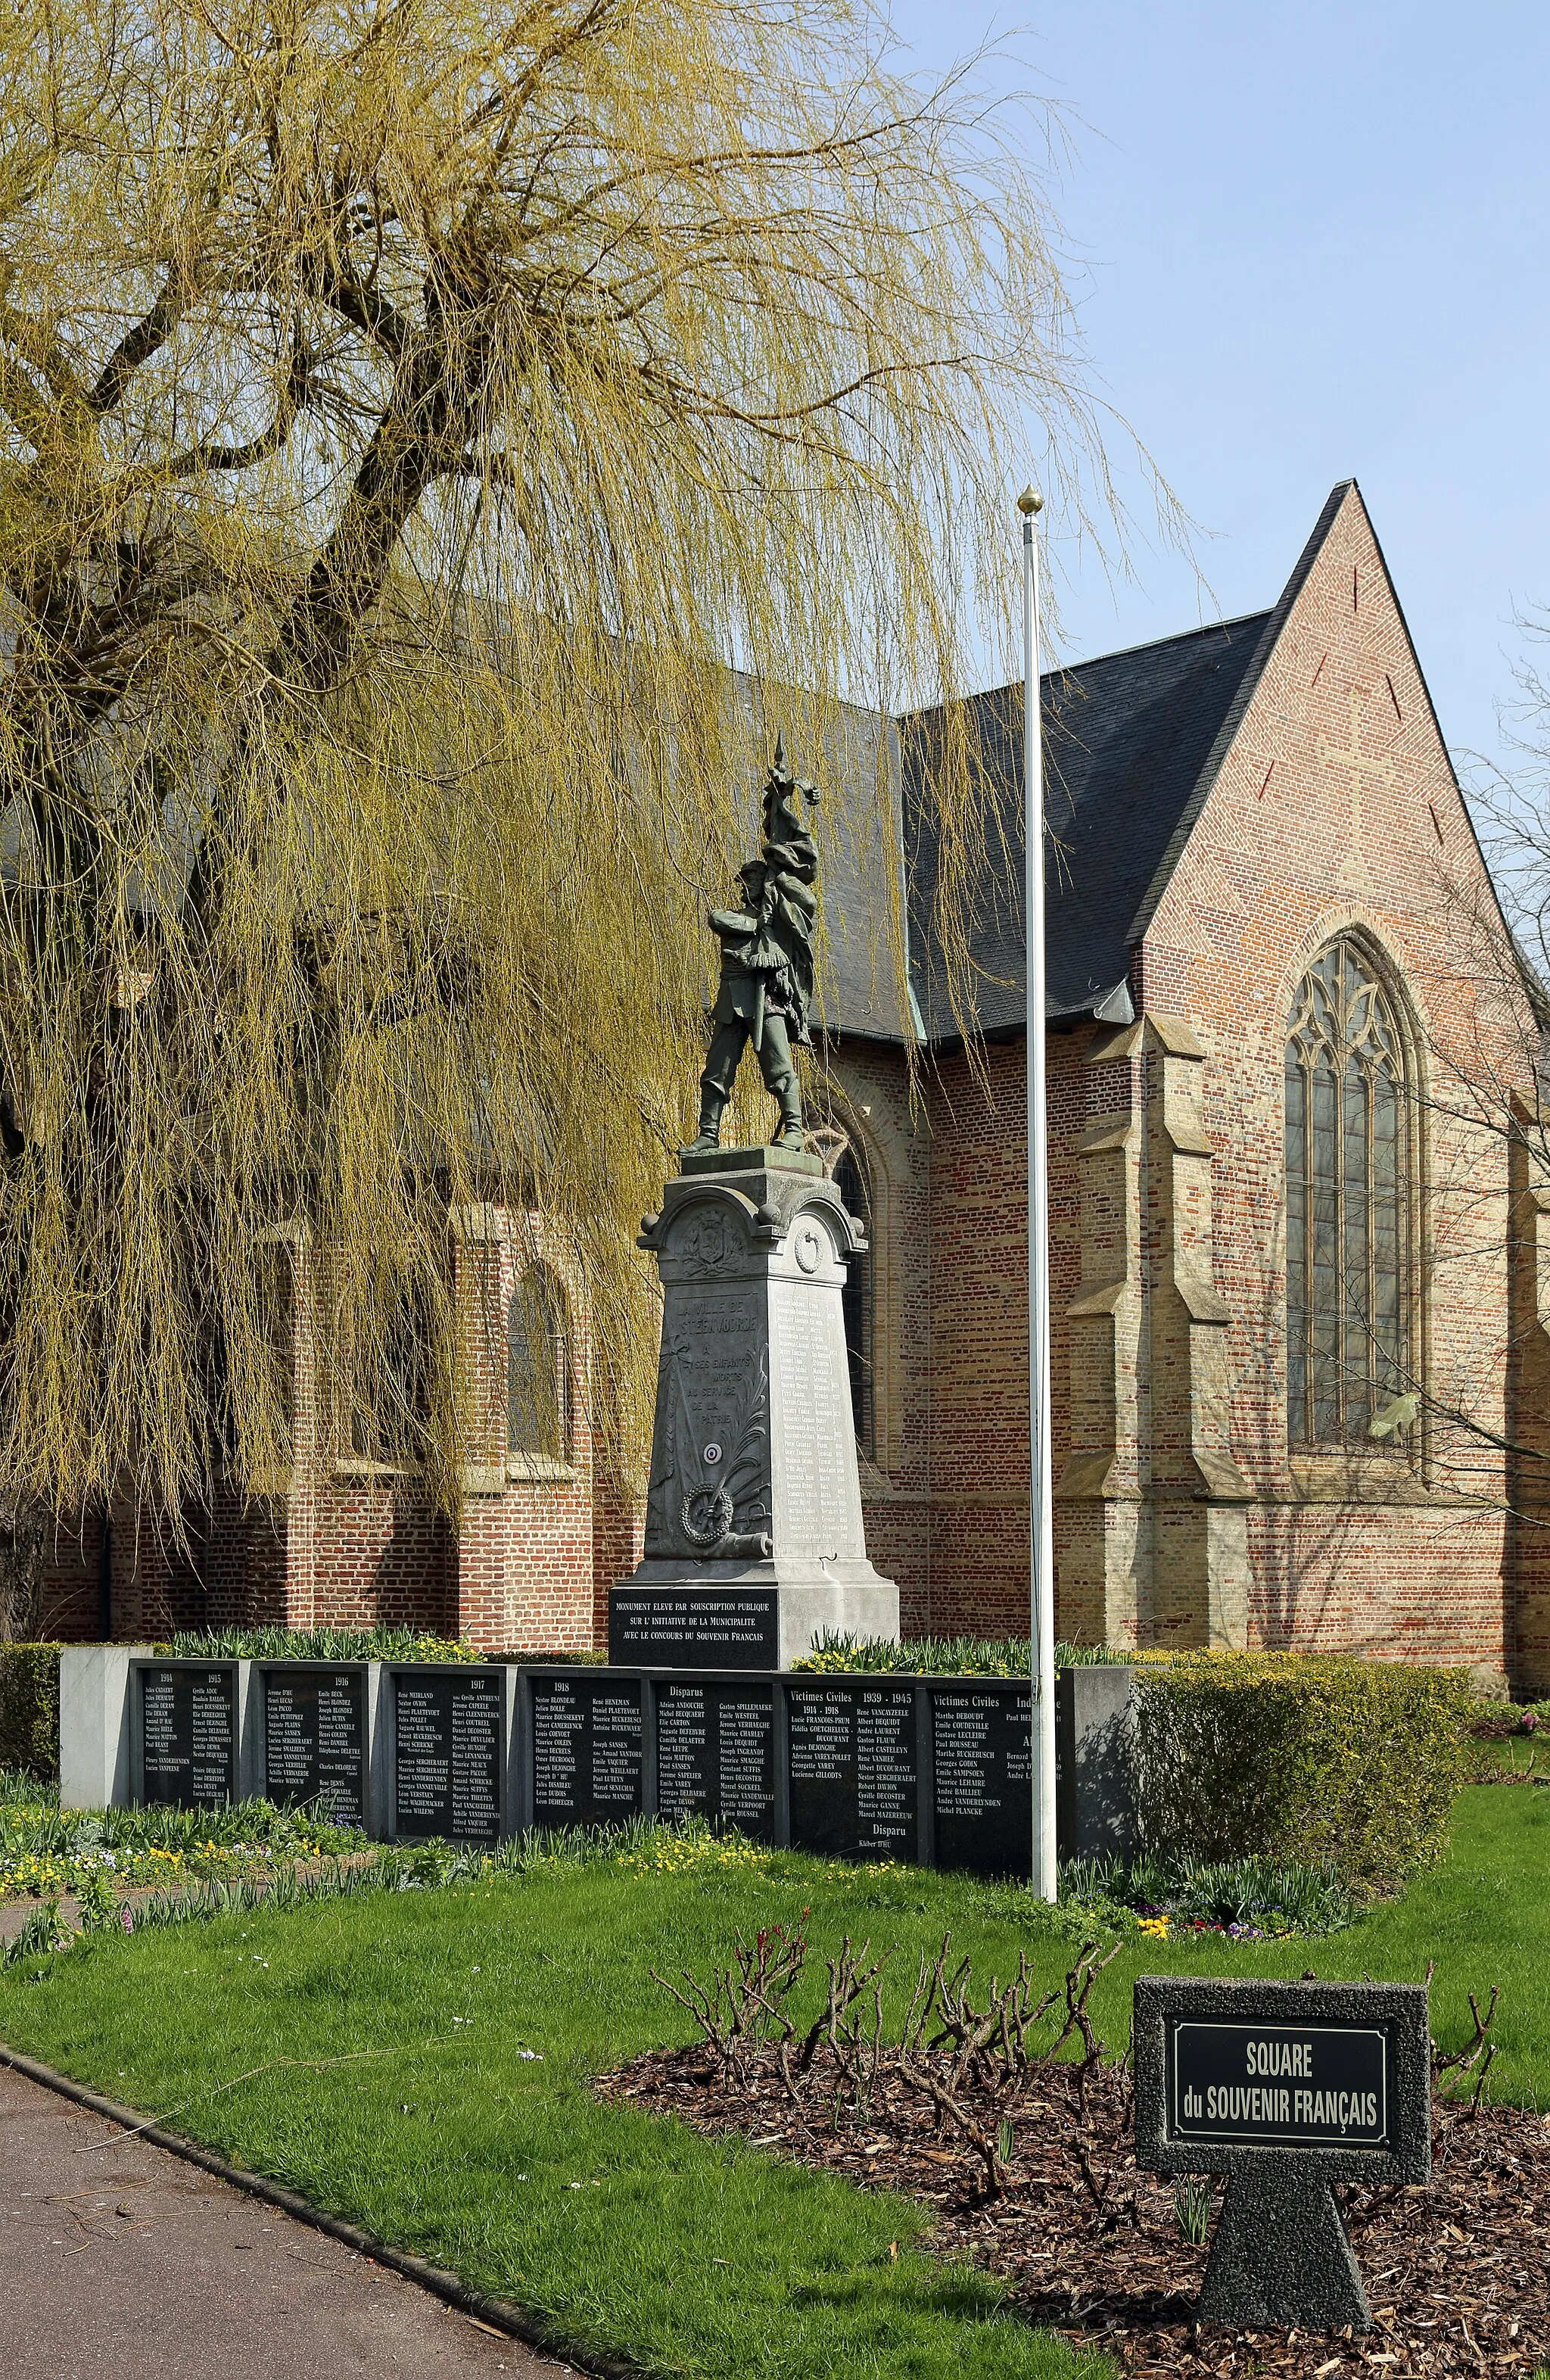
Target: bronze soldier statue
(766, 991)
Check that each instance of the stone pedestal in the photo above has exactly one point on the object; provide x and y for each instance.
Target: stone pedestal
(754, 1538)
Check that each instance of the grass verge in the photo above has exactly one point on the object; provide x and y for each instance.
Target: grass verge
(418, 2063)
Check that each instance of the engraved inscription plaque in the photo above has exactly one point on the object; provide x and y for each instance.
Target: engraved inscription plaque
(188, 1734)
(854, 1786)
(586, 1749)
(716, 1754)
(982, 1776)
(816, 1509)
(314, 1740)
(694, 1628)
(449, 1730)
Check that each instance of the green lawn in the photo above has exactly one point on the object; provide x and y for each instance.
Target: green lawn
(466, 2131)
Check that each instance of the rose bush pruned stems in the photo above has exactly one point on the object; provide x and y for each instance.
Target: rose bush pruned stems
(972, 2062)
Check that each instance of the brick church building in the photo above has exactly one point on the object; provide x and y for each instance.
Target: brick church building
(1276, 1218)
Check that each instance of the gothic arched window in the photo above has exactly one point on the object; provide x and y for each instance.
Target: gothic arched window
(1347, 1202)
(538, 1369)
(855, 1299)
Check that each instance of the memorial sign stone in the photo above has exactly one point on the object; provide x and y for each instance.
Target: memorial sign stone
(449, 1731)
(587, 1750)
(732, 1628)
(716, 1753)
(188, 1733)
(1286, 2088)
(854, 1776)
(314, 1740)
(982, 1776)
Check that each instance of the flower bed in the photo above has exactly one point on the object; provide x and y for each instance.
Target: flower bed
(1002, 2114)
(45, 1852)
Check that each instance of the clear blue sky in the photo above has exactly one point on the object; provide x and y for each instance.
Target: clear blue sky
(1309, 242)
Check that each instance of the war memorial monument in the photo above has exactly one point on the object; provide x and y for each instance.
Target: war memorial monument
(753, 1537)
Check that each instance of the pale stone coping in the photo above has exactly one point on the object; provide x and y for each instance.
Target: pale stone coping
(1170, 1034)
(1222, 1482)
(1108, 1131)
(1102, 1299)
(515, 1470)
(1201, 1301)
(352, 1466)
(1123, 1042)
(1174, 1037)
(1186, 1139)
(539, 1467)
(1086, 1476)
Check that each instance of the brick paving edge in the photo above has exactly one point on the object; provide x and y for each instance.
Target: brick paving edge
(496, 2312)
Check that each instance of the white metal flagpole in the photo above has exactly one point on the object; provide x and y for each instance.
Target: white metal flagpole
(1041, 1516)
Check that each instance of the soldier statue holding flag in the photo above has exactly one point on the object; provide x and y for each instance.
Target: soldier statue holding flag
(766, 990)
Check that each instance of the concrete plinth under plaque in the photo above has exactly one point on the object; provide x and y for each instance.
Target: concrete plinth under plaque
(753, 1537)
(1281, 2256)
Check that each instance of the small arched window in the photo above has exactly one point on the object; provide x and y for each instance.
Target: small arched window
(539, 1367)
(1347, 1202)
(857, 1300)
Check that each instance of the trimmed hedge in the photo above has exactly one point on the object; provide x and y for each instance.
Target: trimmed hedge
(30, 1708)
(1303, 1757)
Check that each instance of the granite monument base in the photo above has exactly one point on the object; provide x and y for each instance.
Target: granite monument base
(754, 1620)
(755, 1543)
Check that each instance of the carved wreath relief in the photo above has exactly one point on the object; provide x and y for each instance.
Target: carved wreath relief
(709, 1493)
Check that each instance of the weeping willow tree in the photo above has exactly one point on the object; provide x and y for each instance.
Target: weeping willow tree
(440, 440)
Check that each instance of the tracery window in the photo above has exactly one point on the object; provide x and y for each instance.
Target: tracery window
(538, 1369)
(1347, 1202)
(856, 1299)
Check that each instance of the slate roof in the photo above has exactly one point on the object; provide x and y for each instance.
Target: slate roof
(1133, 743)
(1127, 739)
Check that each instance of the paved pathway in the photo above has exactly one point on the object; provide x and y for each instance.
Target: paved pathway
(120, 2262)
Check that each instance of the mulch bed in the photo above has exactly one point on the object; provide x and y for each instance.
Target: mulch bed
(1457, 2272)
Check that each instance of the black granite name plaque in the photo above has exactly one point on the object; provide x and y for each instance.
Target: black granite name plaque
(716, 1754)
(982, 1776)
(449, 1746)
(1286, 2088)
(854, 1777)
(694, 1628)
(587, 1750)
(314, 1740)
(188, 1734)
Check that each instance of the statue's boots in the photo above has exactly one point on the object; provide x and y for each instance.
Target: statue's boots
(712, 1104)
(789, 1133)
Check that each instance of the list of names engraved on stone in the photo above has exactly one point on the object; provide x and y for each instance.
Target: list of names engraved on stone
(814, 1422)
(982, 1772)
(559, 1724)
(886, 1769)
(314, 1739)
(586, 1751)
(447, 1739)
(616, 1749)
(745, 1759)
(188, 1735)
(682, 1775)
(716, 1754)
